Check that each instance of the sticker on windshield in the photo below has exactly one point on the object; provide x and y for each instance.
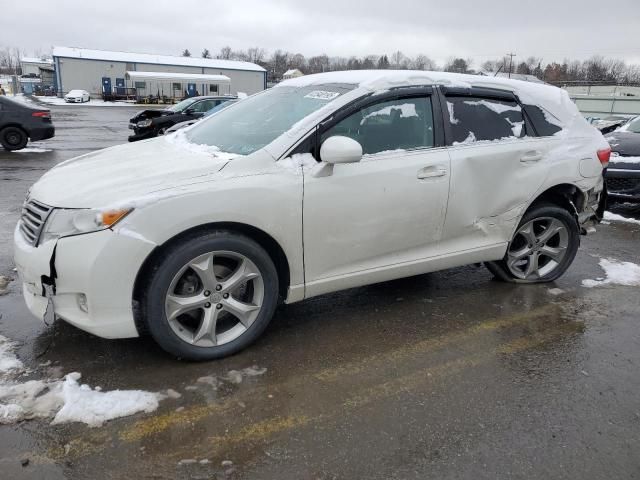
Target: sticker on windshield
(322, 95)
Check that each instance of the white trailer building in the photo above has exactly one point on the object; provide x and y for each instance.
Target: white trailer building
(100, 71)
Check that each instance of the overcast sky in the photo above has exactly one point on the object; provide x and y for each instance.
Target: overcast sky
(479, 30)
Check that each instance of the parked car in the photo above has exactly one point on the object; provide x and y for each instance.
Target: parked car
(195, 237)
(623, 173)
(610, 123)
(20, 122)
(188, 123)
(154, 122)
(77, 96)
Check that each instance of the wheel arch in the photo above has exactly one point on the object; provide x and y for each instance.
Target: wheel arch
(17, 125)
(266, 241)
(565, 195)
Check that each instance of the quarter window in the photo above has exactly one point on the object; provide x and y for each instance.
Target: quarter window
(472, 119)
(401, 124)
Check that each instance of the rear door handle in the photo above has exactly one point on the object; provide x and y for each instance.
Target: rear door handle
(431, 172)
(532, 156)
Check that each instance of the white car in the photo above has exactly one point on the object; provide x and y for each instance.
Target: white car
(322, 183)
(77, 96)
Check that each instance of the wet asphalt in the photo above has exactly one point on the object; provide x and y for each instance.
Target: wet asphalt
(446, 376)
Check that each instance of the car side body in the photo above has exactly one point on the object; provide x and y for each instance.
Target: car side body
(623, 173)
(154, 122)
(414, 204)
(20, 122)
(77, 96)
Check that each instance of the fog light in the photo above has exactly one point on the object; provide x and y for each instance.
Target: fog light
(82, 302)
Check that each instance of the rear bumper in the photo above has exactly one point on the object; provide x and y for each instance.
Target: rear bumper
(41, 133)
(623, 184)
(101, 267)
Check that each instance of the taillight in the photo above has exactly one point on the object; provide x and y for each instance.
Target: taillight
(603, 155)
(46, 114)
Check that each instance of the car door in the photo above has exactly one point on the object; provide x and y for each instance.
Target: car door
(497, 165)
(382, 217)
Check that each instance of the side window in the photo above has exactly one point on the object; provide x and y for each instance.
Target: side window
(201, 106)
(392, 125)
(542, 121)
(473, 119)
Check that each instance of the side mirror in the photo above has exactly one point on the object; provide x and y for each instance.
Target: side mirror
(340, 149)
(189, 111)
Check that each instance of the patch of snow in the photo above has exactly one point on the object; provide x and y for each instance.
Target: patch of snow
(32, 150)
(498, 108)
(132, 234)
(63, 400)
(471, 138)
(180, 140)
(406, 110)
(297, 163)
(621, 159)
(452, 117)
(555, 291)
(618, 273)
(8, 361)
(94, 102)
(614, 217)
(232, 376)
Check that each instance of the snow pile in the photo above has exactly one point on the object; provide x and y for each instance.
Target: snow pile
(65, 400)
(616, 272)
(180, 140)
(619, 159)
(614, 217)
(32, 150)
(298, 163)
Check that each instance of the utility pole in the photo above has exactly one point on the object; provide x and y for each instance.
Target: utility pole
(511, 55)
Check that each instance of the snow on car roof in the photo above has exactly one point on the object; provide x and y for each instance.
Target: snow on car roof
(552, 99)
(129, 57)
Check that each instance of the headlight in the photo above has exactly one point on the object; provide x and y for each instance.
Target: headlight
(63, 222)
(144, 123)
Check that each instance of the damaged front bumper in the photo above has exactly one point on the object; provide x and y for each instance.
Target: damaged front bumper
(87, 279)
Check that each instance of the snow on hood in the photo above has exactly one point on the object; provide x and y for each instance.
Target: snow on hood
(552, 99)
(129, 171)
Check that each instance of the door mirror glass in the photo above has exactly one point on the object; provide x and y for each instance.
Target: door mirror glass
(338, 149)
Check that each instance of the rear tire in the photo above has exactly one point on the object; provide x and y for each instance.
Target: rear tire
(211, 296)
(13, 138)
(542, 249)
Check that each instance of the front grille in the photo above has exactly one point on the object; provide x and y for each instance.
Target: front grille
(34, 215)
(621, 185)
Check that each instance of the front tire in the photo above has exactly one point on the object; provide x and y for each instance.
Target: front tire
(13, 138)
(542, 249)
(211, 296)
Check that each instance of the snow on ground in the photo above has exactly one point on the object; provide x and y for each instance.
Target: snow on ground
(32, 150)
(65, 400)
(614, 217)
(616, 272)
(95, 102)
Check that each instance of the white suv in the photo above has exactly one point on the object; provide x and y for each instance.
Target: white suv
(322, 183)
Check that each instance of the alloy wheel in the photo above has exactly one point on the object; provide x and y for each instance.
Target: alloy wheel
(538, 248)
(214, 298)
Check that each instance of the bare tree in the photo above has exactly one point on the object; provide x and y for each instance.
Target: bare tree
(205, 53)
(397, 58)
(256, 54)
(422, 62)
(225, 53)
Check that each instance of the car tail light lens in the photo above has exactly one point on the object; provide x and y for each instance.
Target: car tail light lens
(46, 114)
(604, 155)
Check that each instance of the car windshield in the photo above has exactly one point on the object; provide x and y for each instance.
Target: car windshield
(183, 105)
(632, 126)
(257, 121)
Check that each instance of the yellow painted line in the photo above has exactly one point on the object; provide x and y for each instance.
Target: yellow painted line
(156, 424)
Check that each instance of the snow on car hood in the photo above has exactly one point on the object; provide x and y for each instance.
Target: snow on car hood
(118, 174)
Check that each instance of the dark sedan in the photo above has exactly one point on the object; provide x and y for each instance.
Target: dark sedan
(623, 173)
(20, 122)
(151, 123)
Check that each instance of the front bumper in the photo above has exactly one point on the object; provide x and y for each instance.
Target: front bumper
(623, 184)
(142, 133)
(102, 266)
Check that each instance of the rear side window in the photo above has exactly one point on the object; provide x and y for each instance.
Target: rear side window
(400, 124)
(473, 119)
(542, 121)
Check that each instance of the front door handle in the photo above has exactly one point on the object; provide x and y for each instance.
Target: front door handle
(431, 172)
(532, 156)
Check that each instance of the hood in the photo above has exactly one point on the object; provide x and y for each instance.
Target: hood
(625, 143)
(150, 114)
(121, 174)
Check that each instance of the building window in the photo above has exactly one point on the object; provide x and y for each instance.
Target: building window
(177, 86)
(141, 85)
(213, 88)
